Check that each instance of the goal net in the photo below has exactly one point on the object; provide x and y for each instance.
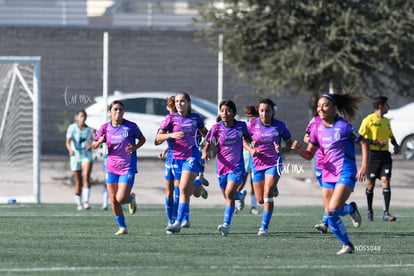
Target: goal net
(19, 129)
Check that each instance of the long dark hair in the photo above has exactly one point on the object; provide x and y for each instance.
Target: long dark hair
(347, 103)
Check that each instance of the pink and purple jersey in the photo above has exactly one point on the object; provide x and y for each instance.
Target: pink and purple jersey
(318, 155)
(185, 147)
(265, 137)
(337, 149)
(229, 143)
(120, 162)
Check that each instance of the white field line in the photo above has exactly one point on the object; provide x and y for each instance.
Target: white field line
(218, 268)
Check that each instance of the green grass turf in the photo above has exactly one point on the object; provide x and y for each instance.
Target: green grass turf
(55, 239)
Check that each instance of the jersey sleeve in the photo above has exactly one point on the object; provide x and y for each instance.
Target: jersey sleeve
(211, 133)
(69, 131)
(364, 129)
(166, 124)
(101, 131)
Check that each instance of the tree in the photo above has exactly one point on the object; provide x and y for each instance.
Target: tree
(366, 45)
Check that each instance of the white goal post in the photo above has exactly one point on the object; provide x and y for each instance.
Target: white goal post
(20, 125)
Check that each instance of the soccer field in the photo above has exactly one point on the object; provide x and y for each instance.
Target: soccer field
(53, 239)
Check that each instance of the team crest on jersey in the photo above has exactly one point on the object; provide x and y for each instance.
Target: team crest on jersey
(125, 132)
(240, 133)
(337, 135)
(276, 132)
(194, 123)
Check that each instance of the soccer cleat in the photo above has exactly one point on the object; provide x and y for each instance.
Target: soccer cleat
(174, 228)
(86, 206)
(240, 202)
(346, 249)
(80, 207)
(263, 232)
(224, 229)
(132, 204)
(185, 224)
(355, 216)
(276, 192)
(322, 227)
(204, 193)
(254, 211)
(204, 181)
(121, 231)
(388, 217)
(370, 216)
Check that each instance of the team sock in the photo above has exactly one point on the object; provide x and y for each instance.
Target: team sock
(228, 214)
(370, 196)
(386, 194)
(78, 199)
(176, 201)
(183, 210)
(338, 228)
(325, 218)
(120, 220)
(253, 201)
(267, 216)
(346, 210)
(169, 206)
(86, 193)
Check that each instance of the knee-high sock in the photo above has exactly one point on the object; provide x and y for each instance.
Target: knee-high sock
(169, 205)
(386, 194)
(338, 228)
(325, 218)
(120, 220)
(267, 216)
(346, 210)
(86, 194)
(370, 196)
(176, 201)
(183, 210)
(228, 214)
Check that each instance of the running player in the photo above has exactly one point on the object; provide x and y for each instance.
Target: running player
(336, 138)
(181, 127)
(227, 135)
(377, 130)
(267, 134)
(79, 138)
(121, 166)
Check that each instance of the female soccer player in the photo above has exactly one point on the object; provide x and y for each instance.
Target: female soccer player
(121, 166)
(79, 138)
(181, 127)
(227, 135)
(267, 134)
(336, 137)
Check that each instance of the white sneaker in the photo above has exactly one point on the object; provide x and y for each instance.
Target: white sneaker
(355, 216)
(80, 207)
(224, 229)
(121, 231)
(263, 232)
(185, 224)
(86, 205)
(346, 249)
(133, 204)
(254, 211)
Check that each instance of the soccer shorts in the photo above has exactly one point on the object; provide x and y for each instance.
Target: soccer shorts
(379, 164)
(112, 178)
(236, 177)
(76, 161)
(259, 176)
